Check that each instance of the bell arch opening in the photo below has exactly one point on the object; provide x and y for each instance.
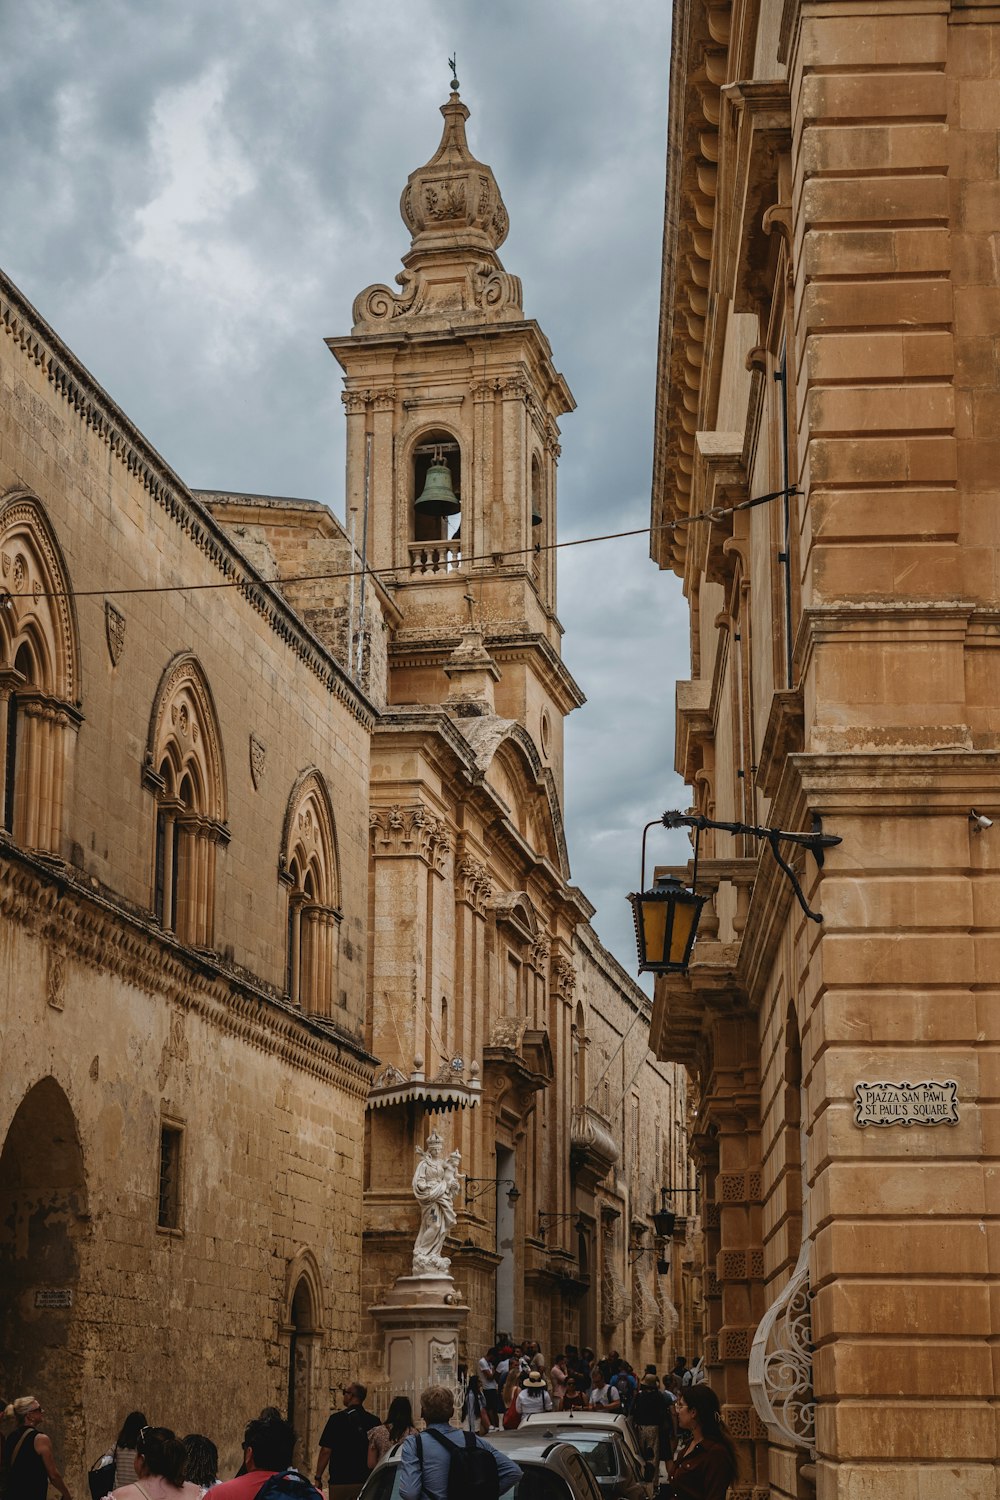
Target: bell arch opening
(436, 468)
(43, 1221)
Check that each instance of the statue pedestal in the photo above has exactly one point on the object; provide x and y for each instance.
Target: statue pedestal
(420, 1319)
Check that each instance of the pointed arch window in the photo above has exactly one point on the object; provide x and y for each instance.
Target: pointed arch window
(309, 868)
(184, 771)
(39, 677)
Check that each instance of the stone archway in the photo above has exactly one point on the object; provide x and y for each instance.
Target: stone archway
(43, 1219)
(303, 1331)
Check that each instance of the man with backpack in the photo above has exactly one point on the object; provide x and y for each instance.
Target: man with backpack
(268, 1446)
(443, 1463)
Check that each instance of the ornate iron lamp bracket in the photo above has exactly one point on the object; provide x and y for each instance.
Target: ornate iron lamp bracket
(817, 842)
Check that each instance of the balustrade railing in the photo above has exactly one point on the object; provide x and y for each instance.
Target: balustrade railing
(435, 557)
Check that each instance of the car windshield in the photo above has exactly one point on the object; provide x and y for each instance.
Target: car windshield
(599, 1454)
(536, 1483)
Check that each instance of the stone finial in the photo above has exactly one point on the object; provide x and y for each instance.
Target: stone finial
(454, 196)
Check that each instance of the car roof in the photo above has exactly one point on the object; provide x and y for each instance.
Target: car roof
(607, 1419)
(560, 1435)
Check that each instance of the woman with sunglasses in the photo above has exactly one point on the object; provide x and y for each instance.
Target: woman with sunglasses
(704, 1465)
(28, 1464)
(160, 1460)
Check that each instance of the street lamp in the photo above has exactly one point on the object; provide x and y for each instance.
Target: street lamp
(544, 1219)
(483, 1185)
(666, 917)
(666, 921)
(664, 1222)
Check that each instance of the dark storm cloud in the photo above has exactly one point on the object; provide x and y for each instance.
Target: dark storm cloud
(195, 193)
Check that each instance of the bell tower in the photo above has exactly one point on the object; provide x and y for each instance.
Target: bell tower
(453, 405)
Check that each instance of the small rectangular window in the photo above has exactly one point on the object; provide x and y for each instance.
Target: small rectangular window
(168, 1210)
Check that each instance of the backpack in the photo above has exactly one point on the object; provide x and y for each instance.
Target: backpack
(10, 1451)
(512, 1417)
(288, 1485)
(472, 1472)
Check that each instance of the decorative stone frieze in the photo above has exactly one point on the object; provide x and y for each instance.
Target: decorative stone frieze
(411, 832)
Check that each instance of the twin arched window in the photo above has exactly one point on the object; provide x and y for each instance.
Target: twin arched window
(309, 869)
(185, 772)
(39, 677)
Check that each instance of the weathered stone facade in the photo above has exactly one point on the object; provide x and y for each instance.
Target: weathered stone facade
(830, 327)
(180, 1177)
(645, 1294)
(475, 973)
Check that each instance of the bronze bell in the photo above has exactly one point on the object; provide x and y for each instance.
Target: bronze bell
(536, 513)
(437, 498)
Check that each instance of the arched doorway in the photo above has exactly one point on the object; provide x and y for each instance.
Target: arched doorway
(303, 1330)
(43, 1218)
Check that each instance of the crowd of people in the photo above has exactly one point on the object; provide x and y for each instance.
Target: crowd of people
(677, 1418)
(153, 1463)
(514, 1379)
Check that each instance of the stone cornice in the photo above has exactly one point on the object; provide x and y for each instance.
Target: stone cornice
(52, 902)
(697, 71)
(95, 409)
(504, 341)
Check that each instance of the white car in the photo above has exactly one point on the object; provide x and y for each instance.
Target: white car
(593, 1419)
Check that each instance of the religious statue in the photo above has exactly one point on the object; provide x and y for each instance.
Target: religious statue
(435, 1187)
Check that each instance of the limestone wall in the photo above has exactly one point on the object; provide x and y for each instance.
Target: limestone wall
(188, 1291)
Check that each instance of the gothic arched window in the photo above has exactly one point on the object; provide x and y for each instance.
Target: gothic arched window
(309, 868)
(39, 676)
(184, 770)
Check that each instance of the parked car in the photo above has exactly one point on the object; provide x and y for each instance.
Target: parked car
(610, 1454)
(563, 1423)
(551, 1470)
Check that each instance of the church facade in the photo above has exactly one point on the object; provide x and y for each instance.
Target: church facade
(825, 486)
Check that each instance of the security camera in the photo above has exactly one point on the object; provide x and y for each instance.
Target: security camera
(980, 822)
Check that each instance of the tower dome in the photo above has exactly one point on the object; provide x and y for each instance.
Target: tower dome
(457, 221)
(454, 197)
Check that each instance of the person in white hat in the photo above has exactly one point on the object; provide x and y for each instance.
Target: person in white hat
(533, 1395)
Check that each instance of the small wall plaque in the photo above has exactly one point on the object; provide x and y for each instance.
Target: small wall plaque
(906, 1103)
(54, 1296)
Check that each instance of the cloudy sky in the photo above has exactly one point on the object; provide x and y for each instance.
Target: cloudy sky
(194, 193)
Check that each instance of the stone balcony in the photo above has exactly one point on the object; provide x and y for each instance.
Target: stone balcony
(593, 1149)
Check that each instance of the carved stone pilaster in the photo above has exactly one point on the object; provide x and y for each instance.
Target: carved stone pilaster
(475, 886)
(411, 832)
(564, 978)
